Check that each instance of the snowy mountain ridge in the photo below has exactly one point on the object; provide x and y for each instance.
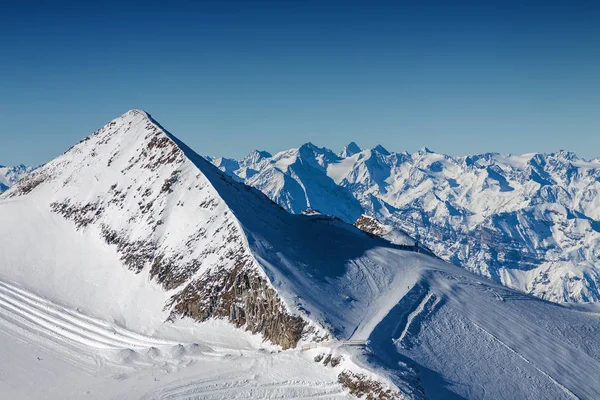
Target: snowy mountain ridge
(531, 222)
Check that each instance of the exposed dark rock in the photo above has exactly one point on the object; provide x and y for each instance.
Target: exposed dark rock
(361, 386)
(244, 298)
(370, 225)
(82, 215)
(135, 254)
(28, 183)
(170, 274)
(169, 182)
(335, 361)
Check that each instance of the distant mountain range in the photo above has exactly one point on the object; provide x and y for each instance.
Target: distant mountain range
(531, 222)
(11, 175)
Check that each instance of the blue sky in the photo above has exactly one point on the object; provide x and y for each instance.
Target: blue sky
(228, 77)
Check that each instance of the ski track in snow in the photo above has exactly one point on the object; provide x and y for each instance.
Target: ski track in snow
(564, 389)
(224, 387)
(68, 325)
(99, 348)
(423, 308)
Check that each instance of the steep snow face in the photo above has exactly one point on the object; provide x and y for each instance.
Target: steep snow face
(531, 222)
(458, 328)
(11, 175)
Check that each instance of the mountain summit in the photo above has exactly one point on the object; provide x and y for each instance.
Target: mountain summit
(350, 150)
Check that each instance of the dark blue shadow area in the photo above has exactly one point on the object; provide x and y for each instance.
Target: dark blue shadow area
(384, 351)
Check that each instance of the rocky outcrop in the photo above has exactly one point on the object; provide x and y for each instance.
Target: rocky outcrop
(28, 183)
(362, 387)
(244, 298)
(371, 225)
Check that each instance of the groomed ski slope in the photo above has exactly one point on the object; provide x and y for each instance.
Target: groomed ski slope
(462, 336)
(53, 352)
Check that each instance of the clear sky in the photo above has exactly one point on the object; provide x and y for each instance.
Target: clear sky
(228, 77)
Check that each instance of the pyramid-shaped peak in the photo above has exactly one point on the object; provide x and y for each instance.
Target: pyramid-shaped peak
(567, 155)
(136, 125)
(309, 146)
(425, 150)
(351, 149)
(128, 147)
(257, 155)
(134, 113)
(381, 150)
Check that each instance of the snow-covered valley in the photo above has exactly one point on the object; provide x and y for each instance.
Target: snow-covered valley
(131, 267)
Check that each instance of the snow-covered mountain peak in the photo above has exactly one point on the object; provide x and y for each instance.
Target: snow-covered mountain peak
(567, 155)
(310, 148)
(308, 153)
(194, 232)
(155, 202)
(350, 149)
(381, 150)
(255, 157)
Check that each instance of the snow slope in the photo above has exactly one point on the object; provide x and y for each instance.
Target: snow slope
(53, 352)
(131, 262)
(530, 222)
(11, 175)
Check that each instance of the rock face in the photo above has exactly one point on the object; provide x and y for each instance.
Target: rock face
(371, 225)
(530, 222)
(362, 387)
(244, 298)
